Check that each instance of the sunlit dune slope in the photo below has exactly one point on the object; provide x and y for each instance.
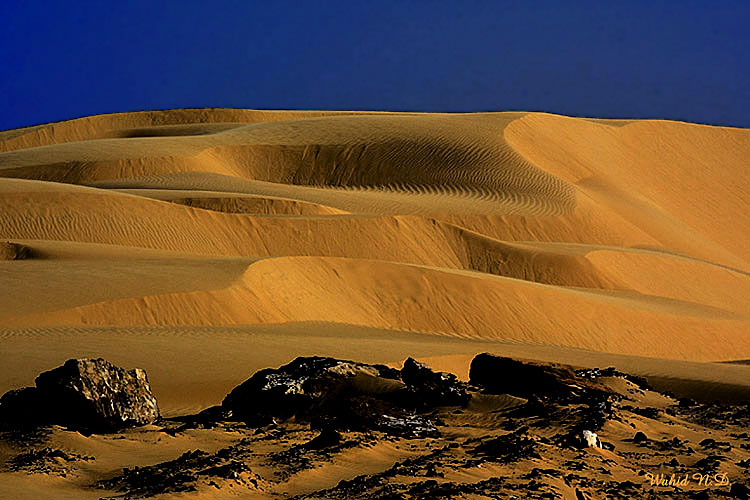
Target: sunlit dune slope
(679, 182)
(622, 237)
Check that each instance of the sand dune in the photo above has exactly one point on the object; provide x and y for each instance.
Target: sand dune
(585, 233)
(204, 244)
(378, 294)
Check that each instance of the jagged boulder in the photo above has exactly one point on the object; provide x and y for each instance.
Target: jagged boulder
(333, 394)
(304, 385)
(429, 389)
(83, 394)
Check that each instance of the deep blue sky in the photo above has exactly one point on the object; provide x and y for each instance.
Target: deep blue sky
(676, 59)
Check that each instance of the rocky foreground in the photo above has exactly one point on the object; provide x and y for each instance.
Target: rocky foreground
(325, 428)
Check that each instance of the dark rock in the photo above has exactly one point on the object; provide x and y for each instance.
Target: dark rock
(213, 414)
(626, 489)
(168, 477)
(325, 439)
(257, 420)
(358, 413)
(99, 395)
(358, 484)
(83, 394)
(649, 412)
(533, 407)
(429, 389)
(709, 463)
(362, 413)
(14, 251)
(210, 415)
(500, 375)
(606, 445)
(739, 490)
(578, 405)
(22, 408)
(431, 471)
(209, 418)
(295, 388)
(596, 412)
(672, 445)
(409, 426)
(595, 373)
(337, 395)
(581, 495)
(185, 473)
(45, 460)
(231, 470)
(511, 447)
(708, 443)
(640, 437)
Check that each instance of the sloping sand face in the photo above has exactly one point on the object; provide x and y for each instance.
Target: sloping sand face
(446, 233)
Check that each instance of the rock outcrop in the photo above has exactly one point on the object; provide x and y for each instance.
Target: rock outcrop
(500, 375)
(580, 403)
(14, 251)
(21, 408)
(335, 394)
(83, 394)
(429, 389)
(307, 382)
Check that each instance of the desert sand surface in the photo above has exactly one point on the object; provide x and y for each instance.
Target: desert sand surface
(205, 244)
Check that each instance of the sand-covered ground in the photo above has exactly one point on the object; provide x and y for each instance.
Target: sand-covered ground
(203, 245)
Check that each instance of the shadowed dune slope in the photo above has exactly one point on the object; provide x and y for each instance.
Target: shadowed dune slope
(622, 237)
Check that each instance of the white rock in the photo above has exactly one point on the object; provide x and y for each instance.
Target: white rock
(591, 439)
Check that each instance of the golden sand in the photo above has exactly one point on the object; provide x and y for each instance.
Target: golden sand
(204, 244)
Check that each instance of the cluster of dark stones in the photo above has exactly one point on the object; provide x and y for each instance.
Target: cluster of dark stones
(341, 395)
(90, 395)
(426, 389)
(181, 474)
(382, 487)
(714, 415)
(511, 447)
(46, 460)
(594, 373)
(648, 412)
(374, 402)
(578, 400)
(93, 395)
(330, 394)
